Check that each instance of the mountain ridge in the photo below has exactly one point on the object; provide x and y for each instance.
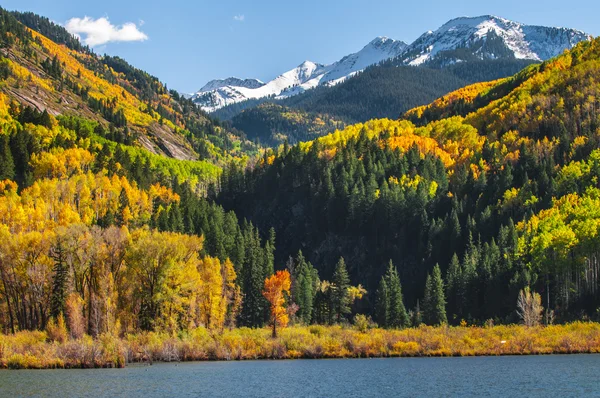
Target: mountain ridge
(461, 39)
(305, 76)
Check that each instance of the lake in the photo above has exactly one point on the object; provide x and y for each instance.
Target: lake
(557, 375)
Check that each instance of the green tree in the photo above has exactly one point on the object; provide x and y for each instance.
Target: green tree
(398, 318)
(382, 308)
(340, 297)
(434, 303)
(304, 287)
(60, 278)
(7, 165)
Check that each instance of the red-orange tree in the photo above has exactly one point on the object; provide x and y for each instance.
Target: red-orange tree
(276, 288)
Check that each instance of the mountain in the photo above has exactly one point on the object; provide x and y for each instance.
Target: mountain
(459, 40)
(382, 91)
(307, 75)
(231, 81)
(49, 70)
(496, 182)
(489, 37)
(274, 124)
(461, 52)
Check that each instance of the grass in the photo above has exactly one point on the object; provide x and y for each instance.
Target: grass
(34, 350)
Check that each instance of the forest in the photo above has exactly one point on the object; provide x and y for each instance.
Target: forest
(478, 209)
(386, 90)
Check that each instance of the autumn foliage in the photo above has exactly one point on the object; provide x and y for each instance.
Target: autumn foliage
(277, 287)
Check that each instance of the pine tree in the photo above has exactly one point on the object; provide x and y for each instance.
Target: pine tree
(434, 303)
(303, 289)
(7, 165)
(307, 291)
(59, 281)
(340, 298)
(269, 254)
(123, 204)
(454, 287)
(254, 308)
(383, 303)
(398, 318)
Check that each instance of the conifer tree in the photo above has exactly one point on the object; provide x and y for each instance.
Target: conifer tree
(453, 286)
(303, 289)
(340, 297)
(7, 165)
(434, 303)
(398, 317)
(383, 303)
(59, 281)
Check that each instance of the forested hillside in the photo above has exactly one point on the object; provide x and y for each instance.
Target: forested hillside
(457, 211)
(497, 186)
(272, 124)
(63, 77)
(382, 91)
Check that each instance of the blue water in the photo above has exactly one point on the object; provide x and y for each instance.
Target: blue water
(542, 376)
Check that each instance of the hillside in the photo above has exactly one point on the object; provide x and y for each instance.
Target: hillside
(63, 77)
(460, 40)
(308, 75)
(272, 124)
(489, 37)
(382, 91)
(492, 187)
(129, 219)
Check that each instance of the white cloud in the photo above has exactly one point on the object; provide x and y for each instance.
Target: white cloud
(239, 18)
(100, 31)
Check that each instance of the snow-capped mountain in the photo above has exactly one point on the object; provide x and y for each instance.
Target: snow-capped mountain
(231, 81)
(307, 75)
(490, 37)
(459, 40)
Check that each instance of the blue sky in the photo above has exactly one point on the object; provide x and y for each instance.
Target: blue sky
(187, 43)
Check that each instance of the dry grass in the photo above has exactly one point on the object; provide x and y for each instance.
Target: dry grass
(34, 350)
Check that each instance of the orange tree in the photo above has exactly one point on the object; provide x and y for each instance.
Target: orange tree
(277, 286)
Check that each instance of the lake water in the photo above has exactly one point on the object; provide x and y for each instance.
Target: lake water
(556, 375)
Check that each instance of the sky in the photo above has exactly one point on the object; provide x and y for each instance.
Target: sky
(187, 43)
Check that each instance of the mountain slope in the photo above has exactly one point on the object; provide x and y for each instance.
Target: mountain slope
(382, 91)
(219, 93)
(501, 198)
(489, 37)
(459, 40)
(273, 124)
(66, 78)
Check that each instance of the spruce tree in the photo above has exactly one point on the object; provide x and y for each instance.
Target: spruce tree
(434, 303)
(453, 286)
(340, 298)
(303, 289)
(398, 318)
(123, 204)
(307, 293)
(7, 165)
(59, 281)
(383, 303)
(253, 313)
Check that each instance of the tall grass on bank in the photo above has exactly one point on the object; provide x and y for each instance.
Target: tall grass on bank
(35, 350)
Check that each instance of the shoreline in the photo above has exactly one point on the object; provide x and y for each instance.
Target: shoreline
(33, 350)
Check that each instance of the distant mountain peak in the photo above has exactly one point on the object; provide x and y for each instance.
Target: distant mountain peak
(458, 40)
(231, 81)
(307, 75)
(491, 37)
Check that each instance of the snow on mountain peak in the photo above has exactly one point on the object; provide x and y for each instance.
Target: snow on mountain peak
(491, 37)
(482, 37)
(307, 75)
(231, 81)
